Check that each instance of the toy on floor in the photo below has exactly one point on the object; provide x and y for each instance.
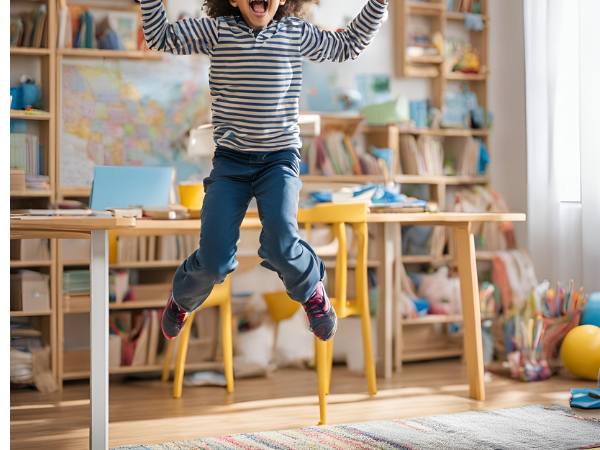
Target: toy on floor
(585, 398)
(529, 363)
(591, 312)
(580, 351)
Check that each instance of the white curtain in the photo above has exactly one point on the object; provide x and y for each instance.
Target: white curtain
(562, 54)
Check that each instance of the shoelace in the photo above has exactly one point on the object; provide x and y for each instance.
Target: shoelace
(179, 313)
(316, 306)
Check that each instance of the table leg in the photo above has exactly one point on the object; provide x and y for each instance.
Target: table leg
(465, 259)
(99, 341)
(385, 276)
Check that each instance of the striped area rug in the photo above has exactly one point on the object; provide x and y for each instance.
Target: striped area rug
(530, 427)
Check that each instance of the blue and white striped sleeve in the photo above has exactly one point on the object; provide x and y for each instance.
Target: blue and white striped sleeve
(183, 37)
(318, 45)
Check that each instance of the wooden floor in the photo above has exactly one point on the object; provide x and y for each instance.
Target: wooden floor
(142, 411)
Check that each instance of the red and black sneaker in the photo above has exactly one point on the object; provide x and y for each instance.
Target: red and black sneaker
(321, 315)
(173, 318)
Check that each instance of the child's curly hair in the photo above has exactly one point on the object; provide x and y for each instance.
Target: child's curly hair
(219, 8)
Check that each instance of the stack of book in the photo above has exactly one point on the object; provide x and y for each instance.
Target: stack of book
(76, 282)
(27, 29)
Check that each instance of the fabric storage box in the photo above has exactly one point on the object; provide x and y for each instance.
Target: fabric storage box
(29, 291)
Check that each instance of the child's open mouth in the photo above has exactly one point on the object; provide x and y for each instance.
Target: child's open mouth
(259, 7)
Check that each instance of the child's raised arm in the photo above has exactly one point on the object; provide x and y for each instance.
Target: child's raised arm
(182, 37)
(319, 45)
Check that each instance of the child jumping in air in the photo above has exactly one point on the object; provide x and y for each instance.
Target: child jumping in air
(256, 49)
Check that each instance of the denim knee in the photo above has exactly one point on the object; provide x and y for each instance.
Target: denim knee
(214, 266)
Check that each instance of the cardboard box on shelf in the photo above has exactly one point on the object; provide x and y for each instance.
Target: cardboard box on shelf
(75, 250)
(29, 250)
(29, 291)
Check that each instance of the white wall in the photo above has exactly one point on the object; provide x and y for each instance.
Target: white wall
(507, 102)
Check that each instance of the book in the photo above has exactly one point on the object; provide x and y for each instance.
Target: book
(154, 334)
(140, 352)
(39, 21)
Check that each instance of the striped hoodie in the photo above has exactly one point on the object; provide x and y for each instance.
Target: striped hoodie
(256, 77)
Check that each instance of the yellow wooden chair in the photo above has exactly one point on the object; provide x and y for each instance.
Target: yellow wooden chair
(281, 307)
(221, 297)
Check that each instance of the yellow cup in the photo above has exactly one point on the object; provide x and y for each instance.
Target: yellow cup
(191, 195)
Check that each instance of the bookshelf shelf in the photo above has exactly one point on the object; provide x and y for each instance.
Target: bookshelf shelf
(427, 59)
(30, 313)
(446, 132)
(454, 15)
(402, 179)
(145, 265)
(112, 54)
(29, 51)
(440, 353)
(425, 259)
(425, 9)
(29, 115)
(125, 306)
(83, 374)
(27, 264)
(74, 192)
(459, 76)
(437, 318)
(31, 194)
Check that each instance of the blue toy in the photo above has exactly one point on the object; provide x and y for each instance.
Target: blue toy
(585, 398)
(591, 312)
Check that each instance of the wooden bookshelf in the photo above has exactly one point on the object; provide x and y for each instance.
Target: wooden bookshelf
(40, 64)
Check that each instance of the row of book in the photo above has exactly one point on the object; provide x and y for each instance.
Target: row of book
(26, 153)
(428, 155)
(155, 248)
(335, 154)
(421, 156)
(134, 338)
(27, 29)
(81, 27)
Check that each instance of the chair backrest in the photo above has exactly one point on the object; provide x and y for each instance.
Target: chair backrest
(336, 216)
(280, 306)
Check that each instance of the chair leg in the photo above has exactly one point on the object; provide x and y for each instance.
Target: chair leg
(322, 377)
(227, 345)
(166, 365)
(368, 351)
(329, 363)
(184, 340)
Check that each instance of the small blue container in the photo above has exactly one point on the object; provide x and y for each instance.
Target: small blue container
(16, 94)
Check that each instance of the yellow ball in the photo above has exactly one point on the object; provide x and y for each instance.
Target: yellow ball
(580, 351)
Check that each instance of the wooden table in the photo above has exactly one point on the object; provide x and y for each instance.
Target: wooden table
(96, 229)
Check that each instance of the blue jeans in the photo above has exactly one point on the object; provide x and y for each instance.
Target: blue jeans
(236, 177)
